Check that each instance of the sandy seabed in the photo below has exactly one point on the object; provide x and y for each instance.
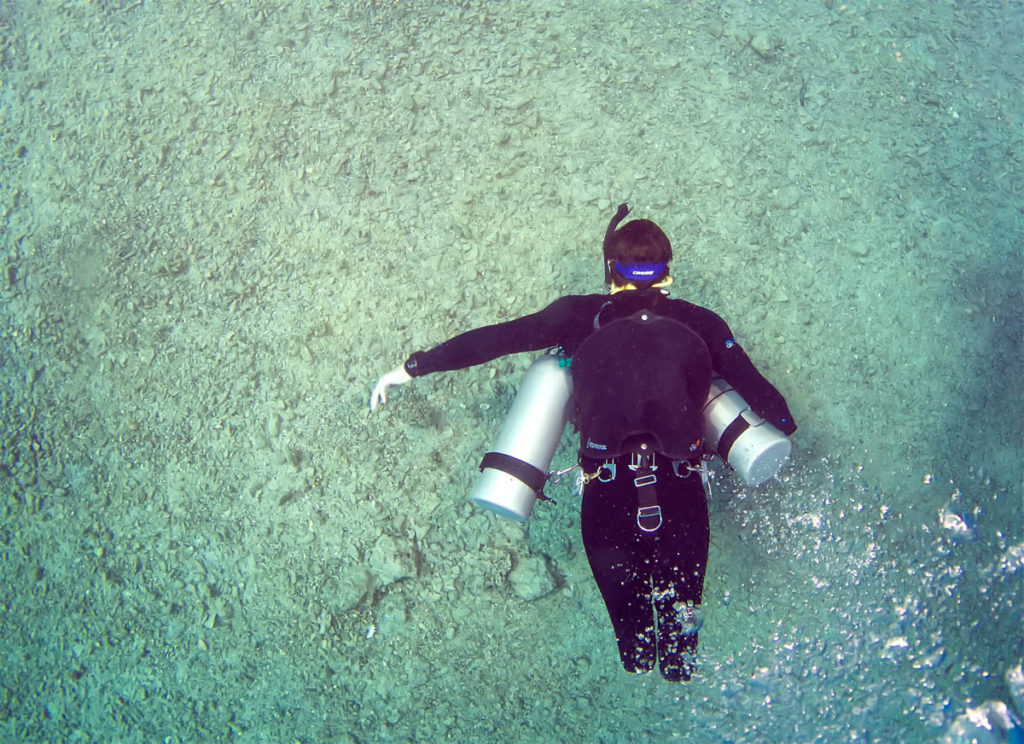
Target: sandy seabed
(222, 221)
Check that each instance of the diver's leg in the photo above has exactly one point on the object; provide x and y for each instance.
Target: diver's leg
(612, 542)
(681, 559)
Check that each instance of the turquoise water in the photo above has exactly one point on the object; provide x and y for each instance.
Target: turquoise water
(222, 222)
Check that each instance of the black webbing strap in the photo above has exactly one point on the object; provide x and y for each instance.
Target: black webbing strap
(732, 432)
(533, 477)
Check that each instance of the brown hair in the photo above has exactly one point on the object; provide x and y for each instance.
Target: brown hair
(639, 242)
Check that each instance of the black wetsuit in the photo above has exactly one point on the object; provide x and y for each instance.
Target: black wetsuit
(649, 580)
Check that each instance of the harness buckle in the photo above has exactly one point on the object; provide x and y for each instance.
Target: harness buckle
(648, 518)
(645, 480)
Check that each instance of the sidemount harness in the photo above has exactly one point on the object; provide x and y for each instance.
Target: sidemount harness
(644, 468)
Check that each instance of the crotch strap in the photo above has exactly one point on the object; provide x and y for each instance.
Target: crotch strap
(648, 512)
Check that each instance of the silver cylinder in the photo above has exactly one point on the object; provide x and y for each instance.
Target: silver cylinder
(753, 448)
(527, 442)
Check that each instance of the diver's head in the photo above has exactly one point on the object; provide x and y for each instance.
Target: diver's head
(636, 255)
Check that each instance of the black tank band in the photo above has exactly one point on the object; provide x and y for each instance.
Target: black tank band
(732, 432)
(533, 477)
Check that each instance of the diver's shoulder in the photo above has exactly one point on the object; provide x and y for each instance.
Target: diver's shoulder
(582, 300)
(574, 307)
(685, 305)
(694, 312)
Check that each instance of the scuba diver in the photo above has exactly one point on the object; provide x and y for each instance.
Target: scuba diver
(642, 368)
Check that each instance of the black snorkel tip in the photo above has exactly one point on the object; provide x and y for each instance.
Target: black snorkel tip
(620, 215)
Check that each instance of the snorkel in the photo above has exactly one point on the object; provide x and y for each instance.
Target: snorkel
(620, 215)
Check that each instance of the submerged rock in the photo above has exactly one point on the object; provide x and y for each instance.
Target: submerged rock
(390, 562)
(531, 579)
(991, 722)
(761, 43)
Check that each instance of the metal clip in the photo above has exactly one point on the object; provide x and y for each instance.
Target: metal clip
(606, 472)
(555, 476)
(648, 513)
(683, 468)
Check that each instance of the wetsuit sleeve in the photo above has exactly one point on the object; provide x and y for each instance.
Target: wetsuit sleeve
(541, 330)
(730, 361)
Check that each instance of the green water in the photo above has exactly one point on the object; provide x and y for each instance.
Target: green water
(223, 221)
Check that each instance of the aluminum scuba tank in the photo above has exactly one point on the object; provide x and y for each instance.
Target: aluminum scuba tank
(515, 470)
(754, 448)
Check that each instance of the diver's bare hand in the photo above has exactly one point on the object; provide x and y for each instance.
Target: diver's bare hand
(379, 396)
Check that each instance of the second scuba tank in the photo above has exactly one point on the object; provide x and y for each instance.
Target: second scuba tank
(754, 448)
(515, 470)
